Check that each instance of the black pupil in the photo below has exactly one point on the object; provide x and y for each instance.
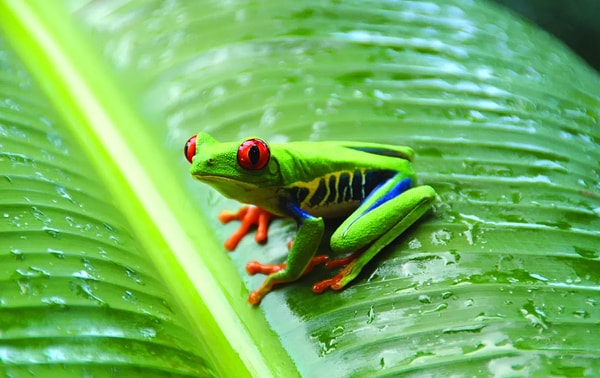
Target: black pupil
(254, 154)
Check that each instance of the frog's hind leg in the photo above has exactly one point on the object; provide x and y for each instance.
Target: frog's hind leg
(310, 232)
(254, 267)
(399, 213)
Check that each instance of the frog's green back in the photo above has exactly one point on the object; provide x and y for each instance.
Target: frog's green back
(307, 161)
(331, 179)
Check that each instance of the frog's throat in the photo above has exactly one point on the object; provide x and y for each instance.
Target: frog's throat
(240, 190)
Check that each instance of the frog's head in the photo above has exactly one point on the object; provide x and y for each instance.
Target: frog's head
(237, 170)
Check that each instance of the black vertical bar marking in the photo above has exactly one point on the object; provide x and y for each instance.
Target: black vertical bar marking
(298, 194)
(333, 190)
(343, 187)
(319, 193)
(357, 186)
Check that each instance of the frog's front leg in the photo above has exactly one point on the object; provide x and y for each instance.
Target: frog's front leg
(249, 216)
(385, 215)
(310, 232)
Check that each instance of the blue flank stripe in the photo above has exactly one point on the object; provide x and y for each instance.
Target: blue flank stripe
(296, 212)
(394, 192)
(400, 187)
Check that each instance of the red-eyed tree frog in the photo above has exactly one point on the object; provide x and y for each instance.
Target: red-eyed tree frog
(370, 184)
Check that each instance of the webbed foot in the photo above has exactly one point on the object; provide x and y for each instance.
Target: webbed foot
(249, 216)
(254, 267)
(341, 279)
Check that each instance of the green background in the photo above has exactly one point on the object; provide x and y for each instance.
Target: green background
(112, 260)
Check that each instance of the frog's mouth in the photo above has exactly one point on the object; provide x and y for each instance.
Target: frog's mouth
(228, 186)
(214, 179)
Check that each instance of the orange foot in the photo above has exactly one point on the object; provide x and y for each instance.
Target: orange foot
(335, 282)
(254, 267)
(249, 216)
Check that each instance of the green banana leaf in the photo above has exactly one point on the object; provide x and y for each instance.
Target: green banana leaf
(112, 258)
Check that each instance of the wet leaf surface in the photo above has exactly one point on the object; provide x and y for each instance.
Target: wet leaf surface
(500, 279)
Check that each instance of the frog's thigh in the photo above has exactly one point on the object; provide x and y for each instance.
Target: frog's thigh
(394, 217)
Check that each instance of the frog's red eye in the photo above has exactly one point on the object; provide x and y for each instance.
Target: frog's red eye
(253, 154)
(189, 150)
